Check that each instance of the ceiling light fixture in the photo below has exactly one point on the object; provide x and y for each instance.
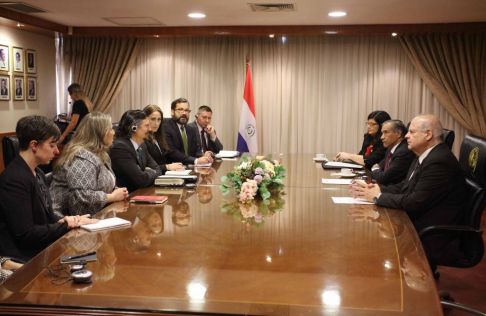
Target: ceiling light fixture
(271, 35)
(331, 32)
(196, 15)
(394, 34)
(20, 25)
(337, 14)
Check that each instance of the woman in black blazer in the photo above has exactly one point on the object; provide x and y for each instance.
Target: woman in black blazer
(372, 150)
(156, 144)
(27, 222)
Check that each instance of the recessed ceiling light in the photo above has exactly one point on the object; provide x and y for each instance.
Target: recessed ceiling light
(196, 15)
(20, 25)
(394, 34)
(337, 14)
(330, 32)
(271, 35)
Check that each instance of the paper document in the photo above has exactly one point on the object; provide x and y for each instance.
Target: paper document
(336, 181)
(104, 224)
(178, 173)
(227, 154)
(189, 177)
(202, 165)
(337, 164)
(349, 200)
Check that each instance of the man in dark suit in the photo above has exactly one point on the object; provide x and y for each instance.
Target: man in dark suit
(18, 90)
(183, 138)
(398, 158)
(206, 134)
(434, 191)
(4, 90)
(134, 168)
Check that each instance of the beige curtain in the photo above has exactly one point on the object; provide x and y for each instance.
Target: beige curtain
(99, 65)
(453, 66)
(311, 94)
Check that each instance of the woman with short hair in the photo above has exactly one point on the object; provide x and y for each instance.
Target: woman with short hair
(83, 179)
(28, 223)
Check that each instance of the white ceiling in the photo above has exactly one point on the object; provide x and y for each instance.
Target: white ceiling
(173, 13)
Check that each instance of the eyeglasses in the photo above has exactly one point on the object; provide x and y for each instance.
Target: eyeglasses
(371, 124)
(181, 110)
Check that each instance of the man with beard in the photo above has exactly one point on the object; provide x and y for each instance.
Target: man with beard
(182, 138)
(134, 168)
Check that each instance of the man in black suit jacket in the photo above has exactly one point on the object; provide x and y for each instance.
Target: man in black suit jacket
(134, 168)
(203, 128)
(434, 191)
(398, 158)
(4, 90)
(176, 129)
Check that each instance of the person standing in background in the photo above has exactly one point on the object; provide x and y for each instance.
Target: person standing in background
(81, 107)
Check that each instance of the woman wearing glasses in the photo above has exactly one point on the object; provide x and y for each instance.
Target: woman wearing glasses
(83, 179)
(372, 151)
(81, 107)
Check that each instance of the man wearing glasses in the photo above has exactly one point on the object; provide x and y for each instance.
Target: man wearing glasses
(182, 138)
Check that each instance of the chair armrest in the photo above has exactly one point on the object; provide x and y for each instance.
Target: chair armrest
(449, 228)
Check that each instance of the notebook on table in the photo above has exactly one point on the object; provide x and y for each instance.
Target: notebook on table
(105, 224)
(339, 165)
(150, 199)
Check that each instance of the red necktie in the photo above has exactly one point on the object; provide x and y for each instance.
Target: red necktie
(388, 160)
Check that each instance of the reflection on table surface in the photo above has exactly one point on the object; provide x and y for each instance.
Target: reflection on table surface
(202, 252)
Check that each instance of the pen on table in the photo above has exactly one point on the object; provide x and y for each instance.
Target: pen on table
(149, 202)
(81, 255)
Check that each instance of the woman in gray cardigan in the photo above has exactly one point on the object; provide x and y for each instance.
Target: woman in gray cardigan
(83, 179)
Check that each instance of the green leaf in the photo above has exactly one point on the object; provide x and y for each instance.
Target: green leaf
(224, 178)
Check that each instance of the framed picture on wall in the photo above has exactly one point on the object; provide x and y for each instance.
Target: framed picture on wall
(4, 58)
(18, 59)
(4, 88)
(31, 61)
(18, 88)
(32, 88)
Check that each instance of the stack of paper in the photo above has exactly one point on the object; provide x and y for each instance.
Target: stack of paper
(104, 224)
(338, 165)
(178, 173)
(227, 154)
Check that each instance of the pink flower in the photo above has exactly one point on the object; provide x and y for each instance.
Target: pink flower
(259, 171)
(267, 176)
(258, 178)
(276, 163)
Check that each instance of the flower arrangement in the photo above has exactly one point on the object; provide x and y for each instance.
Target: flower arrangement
(255, 176)
(255, 212)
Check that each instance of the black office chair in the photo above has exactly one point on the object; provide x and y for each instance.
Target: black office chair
(10, 148)
(448, 137)
(467, 249)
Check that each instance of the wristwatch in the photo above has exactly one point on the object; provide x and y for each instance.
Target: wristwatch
(375, 199)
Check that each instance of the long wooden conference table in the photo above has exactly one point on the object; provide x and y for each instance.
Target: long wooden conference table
(201, 253)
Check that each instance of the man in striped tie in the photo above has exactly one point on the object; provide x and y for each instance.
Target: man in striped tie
(398, 158)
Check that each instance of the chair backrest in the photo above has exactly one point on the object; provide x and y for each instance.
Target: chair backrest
(472, 159)
(10, 148)
(448, 137)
